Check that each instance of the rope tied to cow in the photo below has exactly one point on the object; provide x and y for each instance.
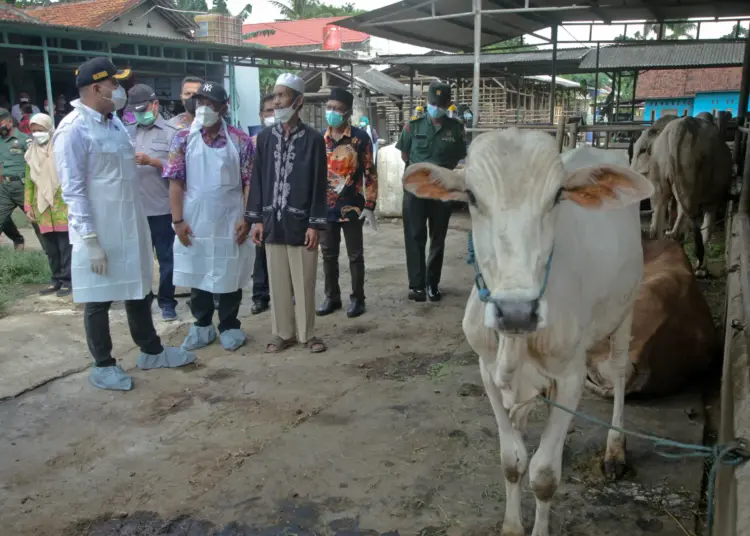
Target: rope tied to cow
(732, 454)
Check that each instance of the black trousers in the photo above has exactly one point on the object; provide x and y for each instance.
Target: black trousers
(12, 232)
(96, 323)
(261, 291)
(420, 217)
(330, 245)
(58, 249)
(202, 306)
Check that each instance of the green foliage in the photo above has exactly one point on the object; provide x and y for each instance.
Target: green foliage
(738, 31)
(20, 268)
(191, 5)
(515, 44)
(220, 7)
(312, 9)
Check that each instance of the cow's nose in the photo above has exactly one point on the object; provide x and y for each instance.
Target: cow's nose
(518, 316)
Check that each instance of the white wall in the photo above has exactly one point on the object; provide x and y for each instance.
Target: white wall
(247, 86)
(160, 27)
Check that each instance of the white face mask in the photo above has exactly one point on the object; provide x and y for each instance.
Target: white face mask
(119, 98)
(40, 137)
(206, 116)
(269, 121)
(284, 115)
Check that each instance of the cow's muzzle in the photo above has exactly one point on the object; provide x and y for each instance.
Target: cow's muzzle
(517, 316)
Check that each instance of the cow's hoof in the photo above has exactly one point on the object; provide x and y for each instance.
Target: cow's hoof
(701, 273)
(615, 469)
(513, 531)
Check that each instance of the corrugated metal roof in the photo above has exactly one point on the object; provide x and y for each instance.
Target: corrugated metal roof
(661, 55)
(458, 34)
(379, 81)
(565, 54)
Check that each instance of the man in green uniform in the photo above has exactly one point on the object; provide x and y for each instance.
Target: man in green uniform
(13, 145)
(436, 139)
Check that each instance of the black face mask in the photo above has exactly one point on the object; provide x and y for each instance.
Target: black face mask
(189, 105)
(4, 131)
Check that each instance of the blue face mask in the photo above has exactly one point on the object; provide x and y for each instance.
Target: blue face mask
(435, 112)
(334, 119)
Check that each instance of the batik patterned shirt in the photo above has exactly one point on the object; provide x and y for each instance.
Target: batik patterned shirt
(352, 176)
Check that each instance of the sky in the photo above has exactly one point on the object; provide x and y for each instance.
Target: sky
(264, 11)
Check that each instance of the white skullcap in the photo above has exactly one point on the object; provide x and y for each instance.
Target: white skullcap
(292, 82)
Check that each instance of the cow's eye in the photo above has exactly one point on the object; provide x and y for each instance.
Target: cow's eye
(472, 199)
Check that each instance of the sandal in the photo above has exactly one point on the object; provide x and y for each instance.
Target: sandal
(316, 346)
(279, 345)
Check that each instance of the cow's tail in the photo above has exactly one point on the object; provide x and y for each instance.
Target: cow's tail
(681, 144)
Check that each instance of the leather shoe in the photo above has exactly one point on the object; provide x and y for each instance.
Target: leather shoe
(329, 305)
(356, 308)
(258, 307)
(434, 294)
(417, 295)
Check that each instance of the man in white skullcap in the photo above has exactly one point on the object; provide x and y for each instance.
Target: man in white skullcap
(287, 205)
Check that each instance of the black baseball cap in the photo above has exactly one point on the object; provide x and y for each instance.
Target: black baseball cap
(439, 93)
(139, 97)
(98, 70)
(213, 91)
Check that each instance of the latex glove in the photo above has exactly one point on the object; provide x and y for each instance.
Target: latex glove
(369, 215)
(97, 257)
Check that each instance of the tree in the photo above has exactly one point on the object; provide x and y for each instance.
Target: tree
(191, 5)
(737, 32)
(311, 9)
(220, 7)
(514, 44)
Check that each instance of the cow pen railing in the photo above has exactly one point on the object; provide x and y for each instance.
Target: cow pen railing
(733, 483)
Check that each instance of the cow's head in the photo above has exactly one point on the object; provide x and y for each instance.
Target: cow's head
(514, 183)
(640, 161)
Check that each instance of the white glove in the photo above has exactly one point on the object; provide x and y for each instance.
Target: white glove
(369, 215)
(97, 257)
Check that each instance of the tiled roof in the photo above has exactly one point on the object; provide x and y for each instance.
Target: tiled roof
(85, 14)
(297, 33)
(658, 84)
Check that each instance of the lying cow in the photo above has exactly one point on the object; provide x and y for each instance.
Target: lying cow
(689, 161)
(532, 315)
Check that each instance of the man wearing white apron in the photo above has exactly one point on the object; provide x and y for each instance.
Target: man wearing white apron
(209, 170)
(112, 255)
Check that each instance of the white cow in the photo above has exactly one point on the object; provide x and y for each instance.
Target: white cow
(533, 313)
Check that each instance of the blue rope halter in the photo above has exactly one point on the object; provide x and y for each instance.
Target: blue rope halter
(484, 293)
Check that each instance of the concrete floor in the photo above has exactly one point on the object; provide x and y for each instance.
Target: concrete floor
(387, 433)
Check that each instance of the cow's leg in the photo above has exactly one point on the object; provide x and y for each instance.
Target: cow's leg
(513, 456)
(676, 231)
(660, 206)
(615, 461)
(546, 464)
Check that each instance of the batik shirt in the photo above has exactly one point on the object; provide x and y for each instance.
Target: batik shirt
(288, 191)
(175, 167)
(350, 171)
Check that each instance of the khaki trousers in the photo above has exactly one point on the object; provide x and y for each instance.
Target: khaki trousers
(292, 271)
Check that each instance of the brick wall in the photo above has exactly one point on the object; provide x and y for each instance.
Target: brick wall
(686, 82)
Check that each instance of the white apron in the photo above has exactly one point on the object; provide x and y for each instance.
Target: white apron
(212, 207)
(374, 145)
(119, 220)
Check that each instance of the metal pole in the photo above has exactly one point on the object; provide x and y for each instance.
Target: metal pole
(48, 80)
(632, 99)
(594, 135)
(743, 103)
(477, 57)
(411, 91)
(554, 75)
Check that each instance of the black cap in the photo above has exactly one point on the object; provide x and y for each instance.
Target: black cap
(342, 95)
(139, 97)
(213, 91)
(439, 93)
(98, 70)
(4, 114)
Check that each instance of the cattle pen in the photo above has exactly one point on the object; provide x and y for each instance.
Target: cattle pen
(389, 432)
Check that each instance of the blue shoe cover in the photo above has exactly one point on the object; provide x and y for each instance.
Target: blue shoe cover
(198, 337)
(232, 339)
(169, 358)
(112, 378)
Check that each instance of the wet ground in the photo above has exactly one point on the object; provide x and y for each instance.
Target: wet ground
(389, 432)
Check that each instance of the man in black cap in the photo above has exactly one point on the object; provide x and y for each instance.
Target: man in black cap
(351, 170)
(113, 258)
(439, 140)
(209, 171)
(152, 136)
(190, 84)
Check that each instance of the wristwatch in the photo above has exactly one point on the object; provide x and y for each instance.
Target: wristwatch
(177, 222)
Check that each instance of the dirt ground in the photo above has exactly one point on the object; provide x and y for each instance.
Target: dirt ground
(389, 432)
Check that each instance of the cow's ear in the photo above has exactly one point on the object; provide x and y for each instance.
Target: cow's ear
(606, 187)
(434, 182)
